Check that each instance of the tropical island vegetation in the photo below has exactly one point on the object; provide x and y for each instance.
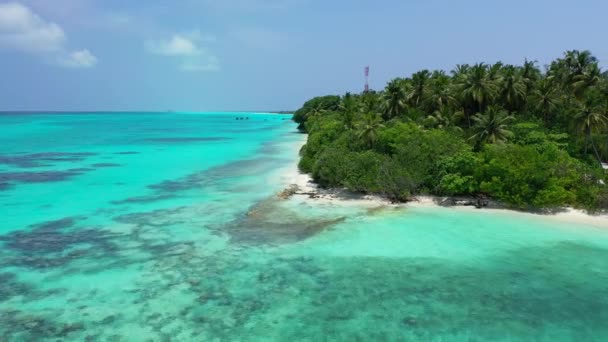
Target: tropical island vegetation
(526, 137)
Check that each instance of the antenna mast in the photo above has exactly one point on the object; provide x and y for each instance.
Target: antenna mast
(366, 79)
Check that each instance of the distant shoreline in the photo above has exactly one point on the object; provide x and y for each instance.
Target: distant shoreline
(34, 112)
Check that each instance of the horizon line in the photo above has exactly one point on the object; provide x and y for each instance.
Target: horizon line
(141, 111)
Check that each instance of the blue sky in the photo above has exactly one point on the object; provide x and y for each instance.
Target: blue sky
(201, 55)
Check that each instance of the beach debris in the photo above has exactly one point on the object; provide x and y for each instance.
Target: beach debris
(294, 189)
(288, 192)
(478, 202)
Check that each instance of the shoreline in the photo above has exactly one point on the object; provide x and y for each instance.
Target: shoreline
(300, 186)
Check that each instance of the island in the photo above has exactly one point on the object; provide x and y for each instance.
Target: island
(525, 137)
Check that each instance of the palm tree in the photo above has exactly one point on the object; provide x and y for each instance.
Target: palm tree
(459, 72)
(494, 72)
(577, 61)
(589, 119)
(315, 111)
(348, 108)
(370, 102)
(567, 71)
(439, 91)
(491, 126)
(419, 81)
(590, 77)
(544, 99)
(513, 89)
(394, 100)
(477, 88)
(368, 128)
(530, 75)
(602, 89)
(445, 118)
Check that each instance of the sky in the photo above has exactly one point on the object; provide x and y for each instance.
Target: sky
(262, 55)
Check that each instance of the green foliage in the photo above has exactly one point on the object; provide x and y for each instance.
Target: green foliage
(330, 167)
(477, 87)
(356, 171)
(457, 174)
(530, 133)
(457, 184)
(394, 99)
(368, 128)
(491, 127)
(315, 106)
(395, 181)
(363, 171)
(519, 135)
(524, 176)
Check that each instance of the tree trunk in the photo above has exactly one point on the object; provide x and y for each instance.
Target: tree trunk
(606, 148)
(586, 140)
(599, 159)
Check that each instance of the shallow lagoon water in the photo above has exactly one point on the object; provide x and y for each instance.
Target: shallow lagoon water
(135, 227)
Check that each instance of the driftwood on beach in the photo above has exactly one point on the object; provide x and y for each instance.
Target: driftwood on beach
(477, 202)
(294, 189)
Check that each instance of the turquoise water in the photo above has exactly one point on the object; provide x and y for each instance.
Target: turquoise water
(137, 227)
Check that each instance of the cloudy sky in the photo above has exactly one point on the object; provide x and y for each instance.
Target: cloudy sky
(199, 55)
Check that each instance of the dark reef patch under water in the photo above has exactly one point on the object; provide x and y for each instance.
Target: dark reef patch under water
(99, 165)
(27, 327)
(368, 298)
(37, 177)
(57, 224)
(81, 169)
(187, 139)
(156, 218)
(10, 286)
(126, 153)
(54, 244)
(262, 225)
(145, 199)
(42, 159)
(518, 294)
(213, 175)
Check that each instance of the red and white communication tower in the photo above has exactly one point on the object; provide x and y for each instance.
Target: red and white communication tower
(366, 79)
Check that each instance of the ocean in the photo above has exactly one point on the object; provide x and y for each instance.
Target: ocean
(167, 226)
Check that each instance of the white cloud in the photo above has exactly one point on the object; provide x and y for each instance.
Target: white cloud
(23, 30)
(188, 48)
(178, 45)
(79, 59)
